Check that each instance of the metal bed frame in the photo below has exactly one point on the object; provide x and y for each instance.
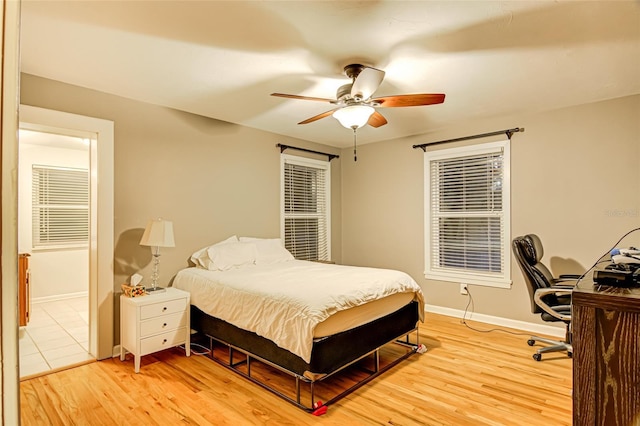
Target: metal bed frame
(233, 365)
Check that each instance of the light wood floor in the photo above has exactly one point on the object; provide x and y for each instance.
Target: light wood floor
(465, 378)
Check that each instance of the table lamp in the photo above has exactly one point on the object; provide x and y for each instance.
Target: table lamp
(158, 233)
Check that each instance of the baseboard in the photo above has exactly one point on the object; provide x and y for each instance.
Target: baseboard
(59, 297)
(530, 327)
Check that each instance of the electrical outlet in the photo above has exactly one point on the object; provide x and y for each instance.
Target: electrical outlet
(463, 289)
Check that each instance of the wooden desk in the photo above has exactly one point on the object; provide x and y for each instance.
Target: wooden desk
(606, 356)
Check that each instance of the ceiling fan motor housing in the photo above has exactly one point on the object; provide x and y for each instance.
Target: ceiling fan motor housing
(344, 92)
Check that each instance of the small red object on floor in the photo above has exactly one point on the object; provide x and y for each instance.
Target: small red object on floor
(319, 409)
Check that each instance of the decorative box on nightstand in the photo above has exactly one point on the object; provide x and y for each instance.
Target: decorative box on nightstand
(154, 322)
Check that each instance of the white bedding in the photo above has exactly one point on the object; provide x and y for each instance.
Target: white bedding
(285, 301)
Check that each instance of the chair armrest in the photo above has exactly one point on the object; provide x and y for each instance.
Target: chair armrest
(567, 281)
(541, 292)
(564, 284)
(569, 277)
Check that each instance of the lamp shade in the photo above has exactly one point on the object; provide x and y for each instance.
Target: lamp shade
(354, 116)
(158, 233)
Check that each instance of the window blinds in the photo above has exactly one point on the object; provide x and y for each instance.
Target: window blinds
(60, 206)
(467, 220)
(305, 210)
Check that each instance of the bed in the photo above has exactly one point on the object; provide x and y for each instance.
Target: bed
(308, 320)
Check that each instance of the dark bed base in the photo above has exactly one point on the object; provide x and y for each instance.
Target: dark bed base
(329, 355)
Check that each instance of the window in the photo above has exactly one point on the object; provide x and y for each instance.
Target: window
(467, 224)
(306, 225)
(60, 207)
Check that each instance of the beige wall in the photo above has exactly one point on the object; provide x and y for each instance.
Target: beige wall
(211, 178)
(575, 182)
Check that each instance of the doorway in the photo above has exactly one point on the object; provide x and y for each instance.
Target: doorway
(53, 242)
(98, 135)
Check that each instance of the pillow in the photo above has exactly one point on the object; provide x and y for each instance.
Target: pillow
(201, 259)
(269, 250)
(231, 255)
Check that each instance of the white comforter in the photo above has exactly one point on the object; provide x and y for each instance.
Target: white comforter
(284, 302)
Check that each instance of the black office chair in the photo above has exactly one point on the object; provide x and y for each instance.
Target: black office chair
(550, 296)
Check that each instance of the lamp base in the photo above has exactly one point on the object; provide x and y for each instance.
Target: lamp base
(152, 290)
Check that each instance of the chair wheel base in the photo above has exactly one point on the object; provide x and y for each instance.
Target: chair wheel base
(531, 342)
(537, 357)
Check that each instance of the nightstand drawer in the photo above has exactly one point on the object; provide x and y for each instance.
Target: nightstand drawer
(163, 341)
(163, 308)
(162, 323)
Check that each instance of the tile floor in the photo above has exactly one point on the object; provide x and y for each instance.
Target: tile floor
(57, 336)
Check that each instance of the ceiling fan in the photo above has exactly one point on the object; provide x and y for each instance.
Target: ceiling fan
(354, 105)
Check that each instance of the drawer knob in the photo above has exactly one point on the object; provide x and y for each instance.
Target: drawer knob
(164, 309)
(164, 325)
(164, 341)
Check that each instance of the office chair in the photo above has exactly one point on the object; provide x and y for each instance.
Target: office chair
(549, 296)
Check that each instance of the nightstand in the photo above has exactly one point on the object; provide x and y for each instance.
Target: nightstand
(154, 322)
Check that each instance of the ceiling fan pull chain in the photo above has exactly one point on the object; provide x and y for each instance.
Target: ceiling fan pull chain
(355, 156)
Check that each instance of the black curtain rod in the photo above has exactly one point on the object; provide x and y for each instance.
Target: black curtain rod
(508, 132)
(283, 147)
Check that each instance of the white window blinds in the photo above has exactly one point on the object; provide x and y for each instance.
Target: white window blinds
(305, 207)
(467, 205)
(60, 206)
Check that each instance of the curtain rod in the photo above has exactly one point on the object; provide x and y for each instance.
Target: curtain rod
(283, 147)
(508, 132)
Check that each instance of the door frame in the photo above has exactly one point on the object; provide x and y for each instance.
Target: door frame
(9, 87)
(101, 241)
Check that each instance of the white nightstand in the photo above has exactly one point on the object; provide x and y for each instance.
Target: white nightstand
(154, 322)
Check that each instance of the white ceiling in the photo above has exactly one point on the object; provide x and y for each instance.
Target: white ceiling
(222, 59)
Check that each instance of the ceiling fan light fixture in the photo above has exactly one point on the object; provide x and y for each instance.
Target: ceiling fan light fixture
(354, 116)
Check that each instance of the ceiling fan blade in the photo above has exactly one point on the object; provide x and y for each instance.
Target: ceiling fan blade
(317, 117)
(367, 82)
(376, 120)
(304, 98)
(410, 100)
